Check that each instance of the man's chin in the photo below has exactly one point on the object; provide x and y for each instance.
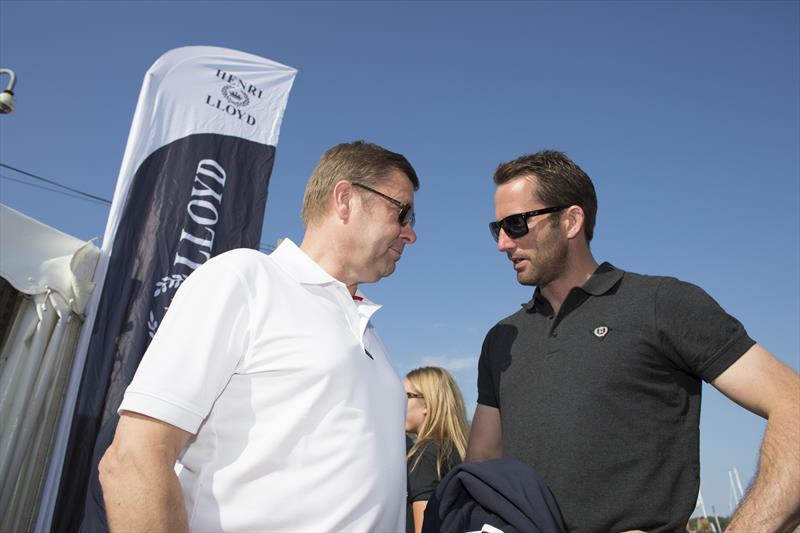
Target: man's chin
(524, 278)
(389, 270)
(377, 276)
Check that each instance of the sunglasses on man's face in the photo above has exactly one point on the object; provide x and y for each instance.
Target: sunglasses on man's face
(406, 215)
(516, 225)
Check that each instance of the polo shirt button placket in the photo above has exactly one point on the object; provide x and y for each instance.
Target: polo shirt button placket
(553, 332)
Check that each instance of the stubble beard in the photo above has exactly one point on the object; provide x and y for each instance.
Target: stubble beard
(548, 263)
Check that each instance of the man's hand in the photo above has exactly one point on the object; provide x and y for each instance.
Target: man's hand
(137, 473)
(762, 384)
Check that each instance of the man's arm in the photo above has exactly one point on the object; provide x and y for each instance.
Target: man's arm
(485, 437)
(762, 384)
(140, 488)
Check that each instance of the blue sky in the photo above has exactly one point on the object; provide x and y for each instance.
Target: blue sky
(686, 115)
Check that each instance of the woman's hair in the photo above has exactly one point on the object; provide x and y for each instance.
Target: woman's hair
(446, 421)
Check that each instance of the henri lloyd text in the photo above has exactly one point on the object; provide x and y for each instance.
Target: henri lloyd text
(236, 95)
(197, 235)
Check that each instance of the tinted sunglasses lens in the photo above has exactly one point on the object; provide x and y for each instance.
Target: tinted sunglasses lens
(494, 228)
(515, 226)
(407, 216)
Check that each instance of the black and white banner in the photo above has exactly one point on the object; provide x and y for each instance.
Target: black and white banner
(193, 184)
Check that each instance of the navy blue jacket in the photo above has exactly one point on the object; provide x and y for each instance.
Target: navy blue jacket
(503, 493)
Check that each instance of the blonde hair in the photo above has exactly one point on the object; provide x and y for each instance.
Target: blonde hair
(446, 421)
(357, 161)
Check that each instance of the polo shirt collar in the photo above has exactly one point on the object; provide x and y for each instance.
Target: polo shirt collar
(602, 280)
(538, 301)
(299, 266)
(364, 303)
(306, 271)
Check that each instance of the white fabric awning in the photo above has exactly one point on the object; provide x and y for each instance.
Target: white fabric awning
(36, 258)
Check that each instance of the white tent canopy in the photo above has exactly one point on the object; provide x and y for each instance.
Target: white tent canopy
(53, 271)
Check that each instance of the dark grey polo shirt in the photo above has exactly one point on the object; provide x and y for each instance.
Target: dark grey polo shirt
(603, 400)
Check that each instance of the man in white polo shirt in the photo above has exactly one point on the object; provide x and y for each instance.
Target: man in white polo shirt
(267, 384)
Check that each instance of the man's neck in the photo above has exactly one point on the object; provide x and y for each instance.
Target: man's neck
(324, 250)
(579, 269)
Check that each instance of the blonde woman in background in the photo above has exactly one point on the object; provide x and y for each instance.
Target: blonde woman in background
(436, 414)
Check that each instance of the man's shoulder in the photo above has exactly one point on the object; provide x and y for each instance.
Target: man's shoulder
(653, 282)
(241, 255)
(665, 294)
(239, 260)
(500, 334)
(513, 319)
(245, 264)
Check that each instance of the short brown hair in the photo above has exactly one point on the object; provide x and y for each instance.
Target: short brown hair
(559, 182)
(358, 161)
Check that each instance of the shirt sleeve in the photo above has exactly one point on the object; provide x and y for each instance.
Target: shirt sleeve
(196, 349)
(488, 372)
(698, 335)
(422, 478)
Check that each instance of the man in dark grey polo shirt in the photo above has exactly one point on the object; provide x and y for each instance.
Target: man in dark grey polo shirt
(596, 381)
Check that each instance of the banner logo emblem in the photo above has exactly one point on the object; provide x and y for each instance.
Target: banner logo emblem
(236, 93)
(235, 96)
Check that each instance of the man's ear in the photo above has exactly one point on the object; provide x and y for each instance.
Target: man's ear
(342, 199)
(575, 218)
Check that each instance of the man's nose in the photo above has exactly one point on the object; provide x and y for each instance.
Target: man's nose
(408, 234)
(504, 242)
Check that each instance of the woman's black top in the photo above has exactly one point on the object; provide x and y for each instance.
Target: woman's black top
(422, 479)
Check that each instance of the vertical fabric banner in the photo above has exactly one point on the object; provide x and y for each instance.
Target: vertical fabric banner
(193, 184)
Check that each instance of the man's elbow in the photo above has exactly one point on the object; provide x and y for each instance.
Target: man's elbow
(109, 469)
(485, 437)
(477, 453)
(114, 471)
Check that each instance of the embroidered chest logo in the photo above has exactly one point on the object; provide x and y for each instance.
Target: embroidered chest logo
(600, 331)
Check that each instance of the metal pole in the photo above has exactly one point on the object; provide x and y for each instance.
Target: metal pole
(738, 483)
(716, 519)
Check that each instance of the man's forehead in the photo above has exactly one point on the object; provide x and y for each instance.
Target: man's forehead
(530, 178)
(523, 187)
(398, 181)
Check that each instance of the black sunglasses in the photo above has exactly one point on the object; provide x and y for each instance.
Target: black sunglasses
(406, 215)
(516, 225)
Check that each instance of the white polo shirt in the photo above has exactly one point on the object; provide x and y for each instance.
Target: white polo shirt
(297, 412)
